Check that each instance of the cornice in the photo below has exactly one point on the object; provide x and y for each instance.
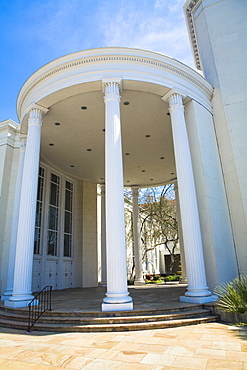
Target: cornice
(190, 8)
(113, 58)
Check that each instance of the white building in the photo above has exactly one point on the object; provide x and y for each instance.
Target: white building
(101, 117)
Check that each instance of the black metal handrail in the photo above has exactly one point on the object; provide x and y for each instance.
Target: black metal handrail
(38, 305)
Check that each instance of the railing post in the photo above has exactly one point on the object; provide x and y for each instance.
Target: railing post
(35, 311)
(50, 297)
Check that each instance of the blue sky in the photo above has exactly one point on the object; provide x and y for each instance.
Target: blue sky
(34, 32)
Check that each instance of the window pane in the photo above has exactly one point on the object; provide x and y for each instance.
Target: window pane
(53, 215)
(52, 243)
(69, 185)
(67, 245)
(67, 222)
(54, 194)
(68, 200)
(68, 219)
(54, 178)
(39, 208)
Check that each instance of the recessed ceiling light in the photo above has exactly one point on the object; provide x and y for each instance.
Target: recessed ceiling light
(127, 154)
(162, 157)
(51, 144)
(168, 113)
(84, 107)
(172, 173)
(143, 170)
(103, 129)
(126, 103)
(102, 178)
(72, 165)
(89, 150)
(147, 135)
(151, 179)
(127, 181)
(57, 123)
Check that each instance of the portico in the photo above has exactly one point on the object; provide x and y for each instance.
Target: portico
(117, 117)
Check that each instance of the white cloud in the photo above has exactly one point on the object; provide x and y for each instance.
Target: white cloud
(156, 26)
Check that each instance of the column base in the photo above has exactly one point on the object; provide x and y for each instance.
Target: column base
(5, 297)
(20, 300)
(17, 304)
(139, 282)
(7, 294)
(199, 300)
(183, 281)
(117, 306)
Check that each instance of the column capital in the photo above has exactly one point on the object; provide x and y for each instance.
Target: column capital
(102, 190)
(35, 114)
(174, 96)
(135, 192)
(35, 106)
(111, 82)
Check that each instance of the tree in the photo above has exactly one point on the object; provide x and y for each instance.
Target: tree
(158, 221)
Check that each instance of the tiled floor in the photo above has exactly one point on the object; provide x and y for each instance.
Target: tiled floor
(146, 297)
(206, 346)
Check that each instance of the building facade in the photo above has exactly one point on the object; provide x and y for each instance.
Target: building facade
(123, 117)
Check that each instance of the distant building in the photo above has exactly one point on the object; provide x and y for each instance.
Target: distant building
(134, 118)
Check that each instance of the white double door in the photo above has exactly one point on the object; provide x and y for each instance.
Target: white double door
(56, 273)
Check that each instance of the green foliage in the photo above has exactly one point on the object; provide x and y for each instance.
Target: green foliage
(156, 277)
(233, 295)
(154, 281)
(131, 282)
(173, 278)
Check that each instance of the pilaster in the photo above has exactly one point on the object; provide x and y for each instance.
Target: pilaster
(12, 249)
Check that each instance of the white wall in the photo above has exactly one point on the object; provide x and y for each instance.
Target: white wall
(221, 31)
(89, 235)
(9, 156)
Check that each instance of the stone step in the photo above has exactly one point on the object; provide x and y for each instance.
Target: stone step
(124, 319)
(89, 316)
(108, 321)
(24, 312)
(108, 327)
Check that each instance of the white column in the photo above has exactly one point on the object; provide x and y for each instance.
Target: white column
(26, 225)
(197, 291)
(103, 238)
(12, 248)
(117, 296)
(137, 239)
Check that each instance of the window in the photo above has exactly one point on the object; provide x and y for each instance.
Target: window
(52, 231)
(68, 209)
(39, 208)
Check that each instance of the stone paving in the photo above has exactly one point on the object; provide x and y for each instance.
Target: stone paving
(206, 346)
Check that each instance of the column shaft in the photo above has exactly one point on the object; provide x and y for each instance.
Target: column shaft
(197, 285)
(137, 239)
(117, 296)
(25, 236)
